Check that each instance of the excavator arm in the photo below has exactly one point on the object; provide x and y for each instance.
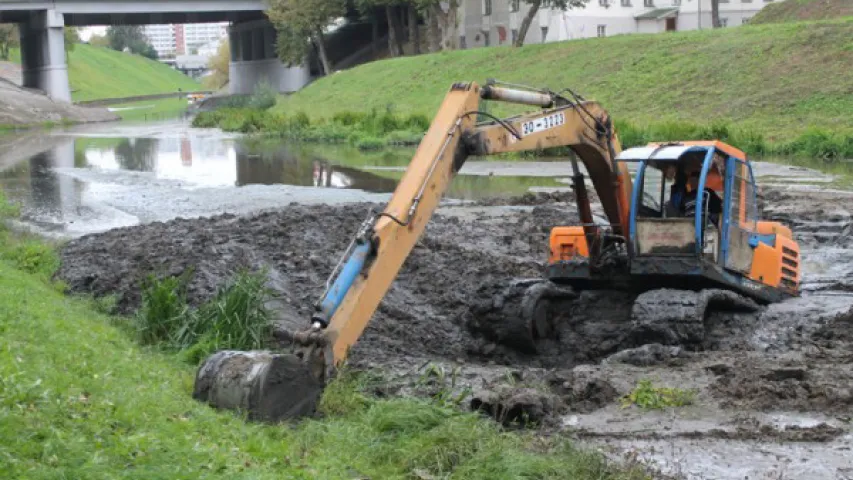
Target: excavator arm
(384, 240)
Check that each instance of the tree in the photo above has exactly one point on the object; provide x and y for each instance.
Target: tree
(132, 38)
(534, 8)
(219, 65)
(72, 38)
(441, 24)
(300, 23)
(99, 41)
(715, 14)
(9, 39)
(414, 30)
(395, 26)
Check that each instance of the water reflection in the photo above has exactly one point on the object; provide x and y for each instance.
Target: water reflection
(259, 165)
(72, 185)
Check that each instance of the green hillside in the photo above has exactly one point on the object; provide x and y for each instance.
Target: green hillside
(799, 10)
(97, 72)
(774, 79)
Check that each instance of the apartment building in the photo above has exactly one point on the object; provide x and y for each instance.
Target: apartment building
(173, 40)
(497, 22)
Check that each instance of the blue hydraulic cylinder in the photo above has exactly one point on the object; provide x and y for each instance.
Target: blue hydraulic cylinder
(339, 289)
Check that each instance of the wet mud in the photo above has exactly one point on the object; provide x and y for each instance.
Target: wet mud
(749, 365)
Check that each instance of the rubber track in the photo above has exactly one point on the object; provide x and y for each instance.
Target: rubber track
(677, 317)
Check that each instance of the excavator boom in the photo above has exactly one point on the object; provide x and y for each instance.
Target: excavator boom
(384, 241)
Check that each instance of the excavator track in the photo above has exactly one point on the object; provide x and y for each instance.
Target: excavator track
(678, 317)
(520, 314)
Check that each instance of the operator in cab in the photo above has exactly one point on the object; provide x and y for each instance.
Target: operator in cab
(713, 201)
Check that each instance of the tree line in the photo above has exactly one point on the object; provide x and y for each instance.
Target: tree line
(302, 25)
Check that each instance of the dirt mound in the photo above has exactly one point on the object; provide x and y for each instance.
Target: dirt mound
(798, 386)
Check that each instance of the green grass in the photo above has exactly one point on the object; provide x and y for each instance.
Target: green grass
(162, 109)
(799, 10)
(79, 398)
(374, 131)
(96, 73)
(777, 80)
(235, 319)
(648, 396)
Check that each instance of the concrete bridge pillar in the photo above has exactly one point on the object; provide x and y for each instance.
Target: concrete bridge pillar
(254, 60)
(43, 54)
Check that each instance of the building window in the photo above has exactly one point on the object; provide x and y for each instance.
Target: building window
(648, 3)
(514, 5)
(462, 43)
(676, 3)
(604, 3)
(746, 1)
(724, 22)
(602, 30)
(487, 7)
(486, 38)
(544, 33)
(626, 3)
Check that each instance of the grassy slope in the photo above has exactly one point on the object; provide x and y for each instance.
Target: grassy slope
(779, 79)
(78, 399)
(799, 10)
(103, 73)
(97, 72)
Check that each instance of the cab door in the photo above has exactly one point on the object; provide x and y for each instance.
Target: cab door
(740, 214)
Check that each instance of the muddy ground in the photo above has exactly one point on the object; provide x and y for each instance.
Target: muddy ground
(774, 387)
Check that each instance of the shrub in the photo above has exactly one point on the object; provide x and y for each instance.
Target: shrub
(404, 137)
(163, 312)
(646, 395)
(368, 143)
(34, 257)
(236, 318)
(264, 97)
(348, 119)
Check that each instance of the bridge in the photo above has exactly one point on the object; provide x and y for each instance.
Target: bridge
(251, 35)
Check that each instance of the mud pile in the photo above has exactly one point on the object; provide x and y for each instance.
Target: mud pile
(443, 303)
(298, 246)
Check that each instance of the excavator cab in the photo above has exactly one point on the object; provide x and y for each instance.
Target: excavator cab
(694, 222)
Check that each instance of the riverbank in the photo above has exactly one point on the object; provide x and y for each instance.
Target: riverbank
(21, 109)
(376, 130)
(775, 80)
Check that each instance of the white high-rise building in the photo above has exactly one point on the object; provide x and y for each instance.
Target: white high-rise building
(162, 38)
(173, 40)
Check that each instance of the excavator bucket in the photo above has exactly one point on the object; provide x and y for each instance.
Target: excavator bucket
(268, 387)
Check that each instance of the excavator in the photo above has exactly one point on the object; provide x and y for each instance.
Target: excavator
(684, 227)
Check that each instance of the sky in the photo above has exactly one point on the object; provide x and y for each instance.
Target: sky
(87, 32)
